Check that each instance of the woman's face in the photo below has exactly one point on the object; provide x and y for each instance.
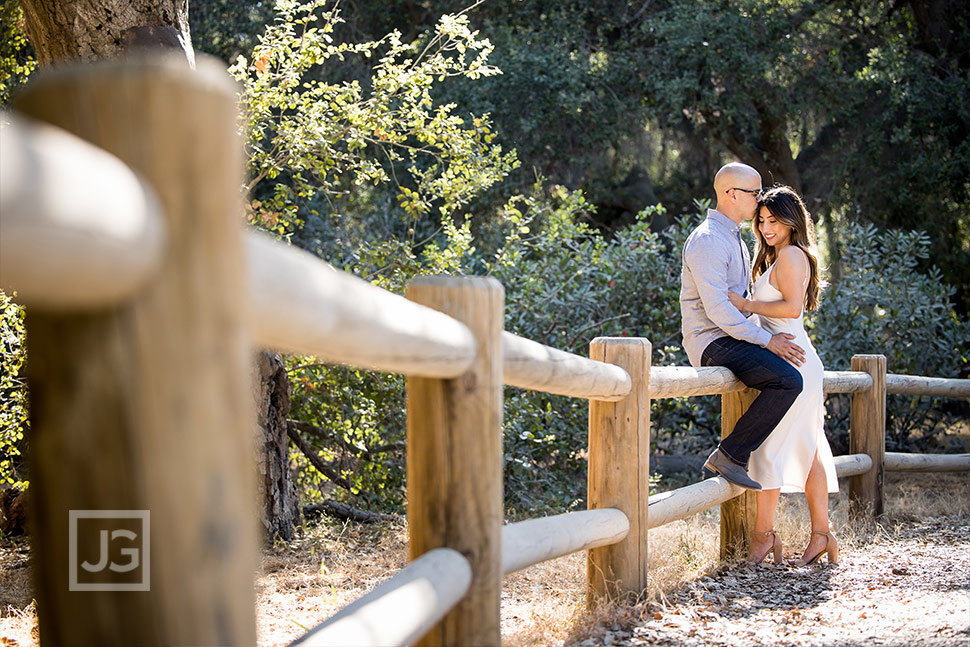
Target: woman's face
(775, 233)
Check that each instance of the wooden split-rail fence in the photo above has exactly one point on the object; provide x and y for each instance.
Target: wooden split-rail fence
(122, 233)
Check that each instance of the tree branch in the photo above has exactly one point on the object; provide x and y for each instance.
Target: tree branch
(363, 453)
(316, 461)
(344, 511)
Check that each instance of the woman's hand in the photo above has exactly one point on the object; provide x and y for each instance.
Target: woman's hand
(738, 301)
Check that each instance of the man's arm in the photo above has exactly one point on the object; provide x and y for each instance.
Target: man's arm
(708, 265)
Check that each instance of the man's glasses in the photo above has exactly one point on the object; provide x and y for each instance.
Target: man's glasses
(755, 192)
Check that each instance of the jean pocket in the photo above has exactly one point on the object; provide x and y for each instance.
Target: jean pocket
(713, 348)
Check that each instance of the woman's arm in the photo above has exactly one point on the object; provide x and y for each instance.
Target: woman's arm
(790, 272)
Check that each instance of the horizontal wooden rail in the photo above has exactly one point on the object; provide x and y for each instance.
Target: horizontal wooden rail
(78, 228)
(401, 609)
(681, 381)
(301, 304)
(531, 365)
(697, 497)
(897, 462)
(933, 386)
(683, 502)
(526, 543)
(846, 382)
(852, 465)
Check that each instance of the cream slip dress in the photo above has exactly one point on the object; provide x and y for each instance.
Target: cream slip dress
(785, 457)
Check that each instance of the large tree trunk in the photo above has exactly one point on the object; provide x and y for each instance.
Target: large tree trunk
(68, 30)
(281, 511)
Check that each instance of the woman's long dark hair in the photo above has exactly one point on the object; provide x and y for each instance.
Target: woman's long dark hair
(787, 207)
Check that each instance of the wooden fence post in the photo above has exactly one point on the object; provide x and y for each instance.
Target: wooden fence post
(141, 422)
(737, 514)
(867, 435)
(454, 458)
(619, 469)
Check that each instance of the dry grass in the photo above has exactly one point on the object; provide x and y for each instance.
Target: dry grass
(18, 618)
(333, 563)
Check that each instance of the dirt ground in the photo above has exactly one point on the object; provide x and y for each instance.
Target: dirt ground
(905, 581)
(907, 587)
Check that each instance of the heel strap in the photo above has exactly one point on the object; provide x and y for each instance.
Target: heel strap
(765, 533)
(824, 533)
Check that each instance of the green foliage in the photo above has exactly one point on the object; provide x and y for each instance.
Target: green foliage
(227, 28)
(884, 304)
(863, 107)
(314, 136)
(13, 393)
(363, 415)
(16, 55)
(566, 284)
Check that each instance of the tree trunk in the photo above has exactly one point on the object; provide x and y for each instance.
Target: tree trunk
(271, 387)
(69, 30)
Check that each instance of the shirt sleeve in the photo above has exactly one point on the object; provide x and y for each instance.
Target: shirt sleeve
(708, 264)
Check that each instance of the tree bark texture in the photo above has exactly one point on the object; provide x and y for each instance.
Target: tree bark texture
(69, 30)
(281, 511)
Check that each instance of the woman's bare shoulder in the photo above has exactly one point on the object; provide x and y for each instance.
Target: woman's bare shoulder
(792, 256)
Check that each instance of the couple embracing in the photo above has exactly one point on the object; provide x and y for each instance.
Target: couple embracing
(778, 444)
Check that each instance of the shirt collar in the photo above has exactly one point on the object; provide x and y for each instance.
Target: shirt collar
(716, 216)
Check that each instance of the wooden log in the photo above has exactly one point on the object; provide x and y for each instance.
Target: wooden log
(65, 242)
(454, 466)
(697, 497)
(852, 465)
(527, 543)
(867, 435)
(145, 408)
(399, 610)
(899, 462)
(738, 513)
(301, 304)
(682, 381)
(619, 469)
(691, 499)
(933, 386)
(535, 366)
(846, 382)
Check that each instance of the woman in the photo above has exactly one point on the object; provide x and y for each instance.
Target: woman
(796, 456)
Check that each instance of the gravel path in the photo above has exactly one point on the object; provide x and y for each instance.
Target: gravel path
(912, 588)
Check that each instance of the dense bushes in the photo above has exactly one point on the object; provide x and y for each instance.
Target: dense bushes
(13, 393)
(566, 284)
(883, 304)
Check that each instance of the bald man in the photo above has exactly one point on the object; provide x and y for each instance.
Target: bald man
(715, 260)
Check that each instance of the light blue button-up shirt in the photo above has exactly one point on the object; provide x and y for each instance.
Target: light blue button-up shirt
(715, 260)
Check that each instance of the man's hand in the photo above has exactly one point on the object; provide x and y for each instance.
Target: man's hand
(783, 348)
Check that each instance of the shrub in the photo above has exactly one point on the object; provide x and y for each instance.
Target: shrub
(13, 393)
(883, 304)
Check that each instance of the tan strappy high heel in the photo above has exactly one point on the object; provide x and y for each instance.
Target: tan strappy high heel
(831, 548)
(775, 548)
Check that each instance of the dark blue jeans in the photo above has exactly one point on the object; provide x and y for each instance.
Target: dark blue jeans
(759, 368)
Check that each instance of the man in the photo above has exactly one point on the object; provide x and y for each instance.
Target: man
(716, 333)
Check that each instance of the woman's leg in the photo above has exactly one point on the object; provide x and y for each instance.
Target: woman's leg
(817, 496)
(761, 543)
